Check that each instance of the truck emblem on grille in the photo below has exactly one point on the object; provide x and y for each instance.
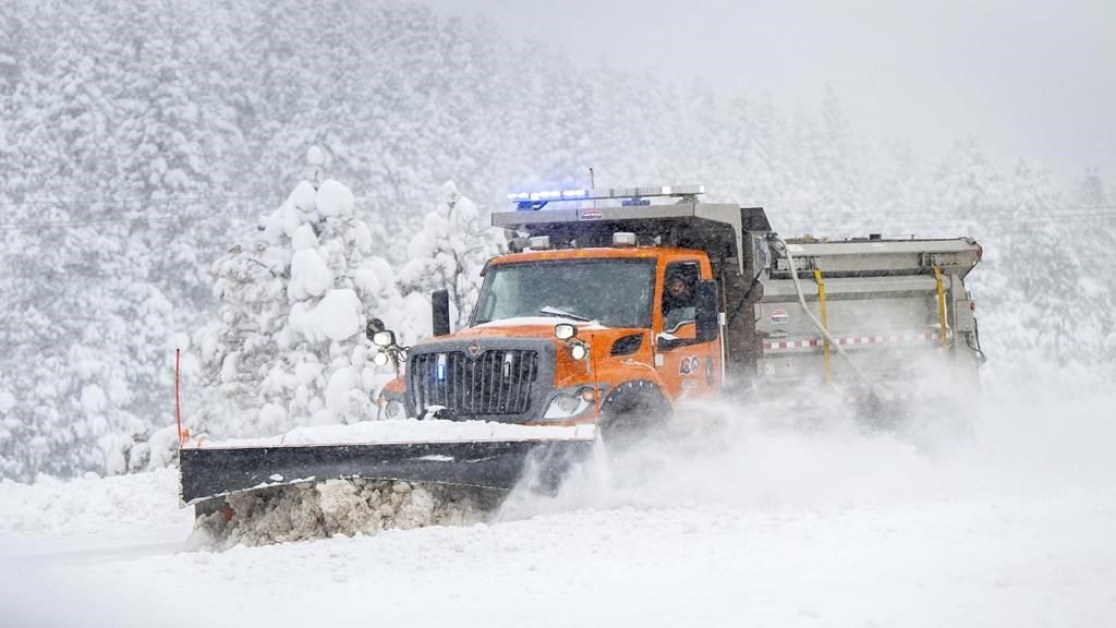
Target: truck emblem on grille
(507, 369)
(474, 349)
(440, 371)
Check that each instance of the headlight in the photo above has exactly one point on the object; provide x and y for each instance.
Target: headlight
(380, 359)
(393, 410)
(390, 409)
(564, 331)
(569, 406)
(579, 350)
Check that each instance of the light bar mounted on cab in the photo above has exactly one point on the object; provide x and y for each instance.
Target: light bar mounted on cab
(628, 197)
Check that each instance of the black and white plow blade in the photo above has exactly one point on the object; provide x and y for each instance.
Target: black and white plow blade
(210, 472)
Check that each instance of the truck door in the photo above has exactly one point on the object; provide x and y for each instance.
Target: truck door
(690, 369)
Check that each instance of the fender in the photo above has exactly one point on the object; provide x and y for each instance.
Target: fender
(631, 410)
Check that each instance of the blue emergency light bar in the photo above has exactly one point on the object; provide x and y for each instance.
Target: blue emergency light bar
(536, 200)
(549, 195)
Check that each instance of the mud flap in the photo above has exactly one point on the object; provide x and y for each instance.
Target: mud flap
(210, 472)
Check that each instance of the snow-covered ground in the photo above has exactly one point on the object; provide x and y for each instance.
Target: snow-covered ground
(828, 528)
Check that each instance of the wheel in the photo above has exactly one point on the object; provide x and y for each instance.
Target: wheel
(632, 412)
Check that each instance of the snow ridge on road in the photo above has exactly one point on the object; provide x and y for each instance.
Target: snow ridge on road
(90, 504)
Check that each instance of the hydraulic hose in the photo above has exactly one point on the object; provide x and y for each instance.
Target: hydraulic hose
(782, 247)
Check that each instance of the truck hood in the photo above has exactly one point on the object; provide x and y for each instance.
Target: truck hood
(540, 327)
(534, 327)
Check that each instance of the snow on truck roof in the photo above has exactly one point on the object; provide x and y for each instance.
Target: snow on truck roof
(589, 253)
(716, 228)
(672, 217)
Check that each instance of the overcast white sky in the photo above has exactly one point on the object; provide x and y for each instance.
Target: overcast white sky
(1029, 78)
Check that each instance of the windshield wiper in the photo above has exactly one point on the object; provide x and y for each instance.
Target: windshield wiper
(553, 311)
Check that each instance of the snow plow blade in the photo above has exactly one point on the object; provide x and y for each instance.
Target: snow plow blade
(215, 472)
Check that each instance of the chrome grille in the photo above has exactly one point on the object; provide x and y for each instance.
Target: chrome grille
(496, 382)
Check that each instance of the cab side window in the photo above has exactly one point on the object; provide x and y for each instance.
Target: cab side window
(679, 292)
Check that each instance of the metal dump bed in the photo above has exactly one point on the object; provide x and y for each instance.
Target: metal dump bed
(878, 317)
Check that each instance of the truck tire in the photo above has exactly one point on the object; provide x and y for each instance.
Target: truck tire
(631, 412)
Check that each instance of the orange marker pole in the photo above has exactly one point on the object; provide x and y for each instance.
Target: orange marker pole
(178, 392)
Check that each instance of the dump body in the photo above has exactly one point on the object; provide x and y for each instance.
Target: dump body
(898, 309)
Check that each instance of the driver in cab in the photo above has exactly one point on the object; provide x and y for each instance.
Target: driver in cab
(678, 300)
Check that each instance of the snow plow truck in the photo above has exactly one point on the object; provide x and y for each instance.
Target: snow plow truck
(611, 314)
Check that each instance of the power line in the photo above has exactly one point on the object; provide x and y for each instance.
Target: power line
(78, 222)
(193, 217)
(50, 224)
(995, 215)
(124, 201)
(975, 214)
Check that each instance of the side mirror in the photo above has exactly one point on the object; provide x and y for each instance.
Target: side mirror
(663, 343)
(374, 327)
(706, 305)
(439, 305)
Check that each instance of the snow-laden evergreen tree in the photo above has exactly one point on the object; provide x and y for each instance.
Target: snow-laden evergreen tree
(449, 252)
(289, 347)
(1093, 220)
(836, 158)
(753, 156)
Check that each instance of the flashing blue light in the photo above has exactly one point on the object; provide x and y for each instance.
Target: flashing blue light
(634, 196)
(537, 200)
(548, 195)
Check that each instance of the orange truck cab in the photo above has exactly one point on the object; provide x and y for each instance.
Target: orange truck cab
(617, 306)
(558, 336)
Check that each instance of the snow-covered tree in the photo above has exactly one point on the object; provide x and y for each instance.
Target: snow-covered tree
(289, 348)
(449, 252)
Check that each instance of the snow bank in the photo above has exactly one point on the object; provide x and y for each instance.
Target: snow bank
(91, 504)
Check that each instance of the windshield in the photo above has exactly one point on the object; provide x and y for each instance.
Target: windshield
(614, 292)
